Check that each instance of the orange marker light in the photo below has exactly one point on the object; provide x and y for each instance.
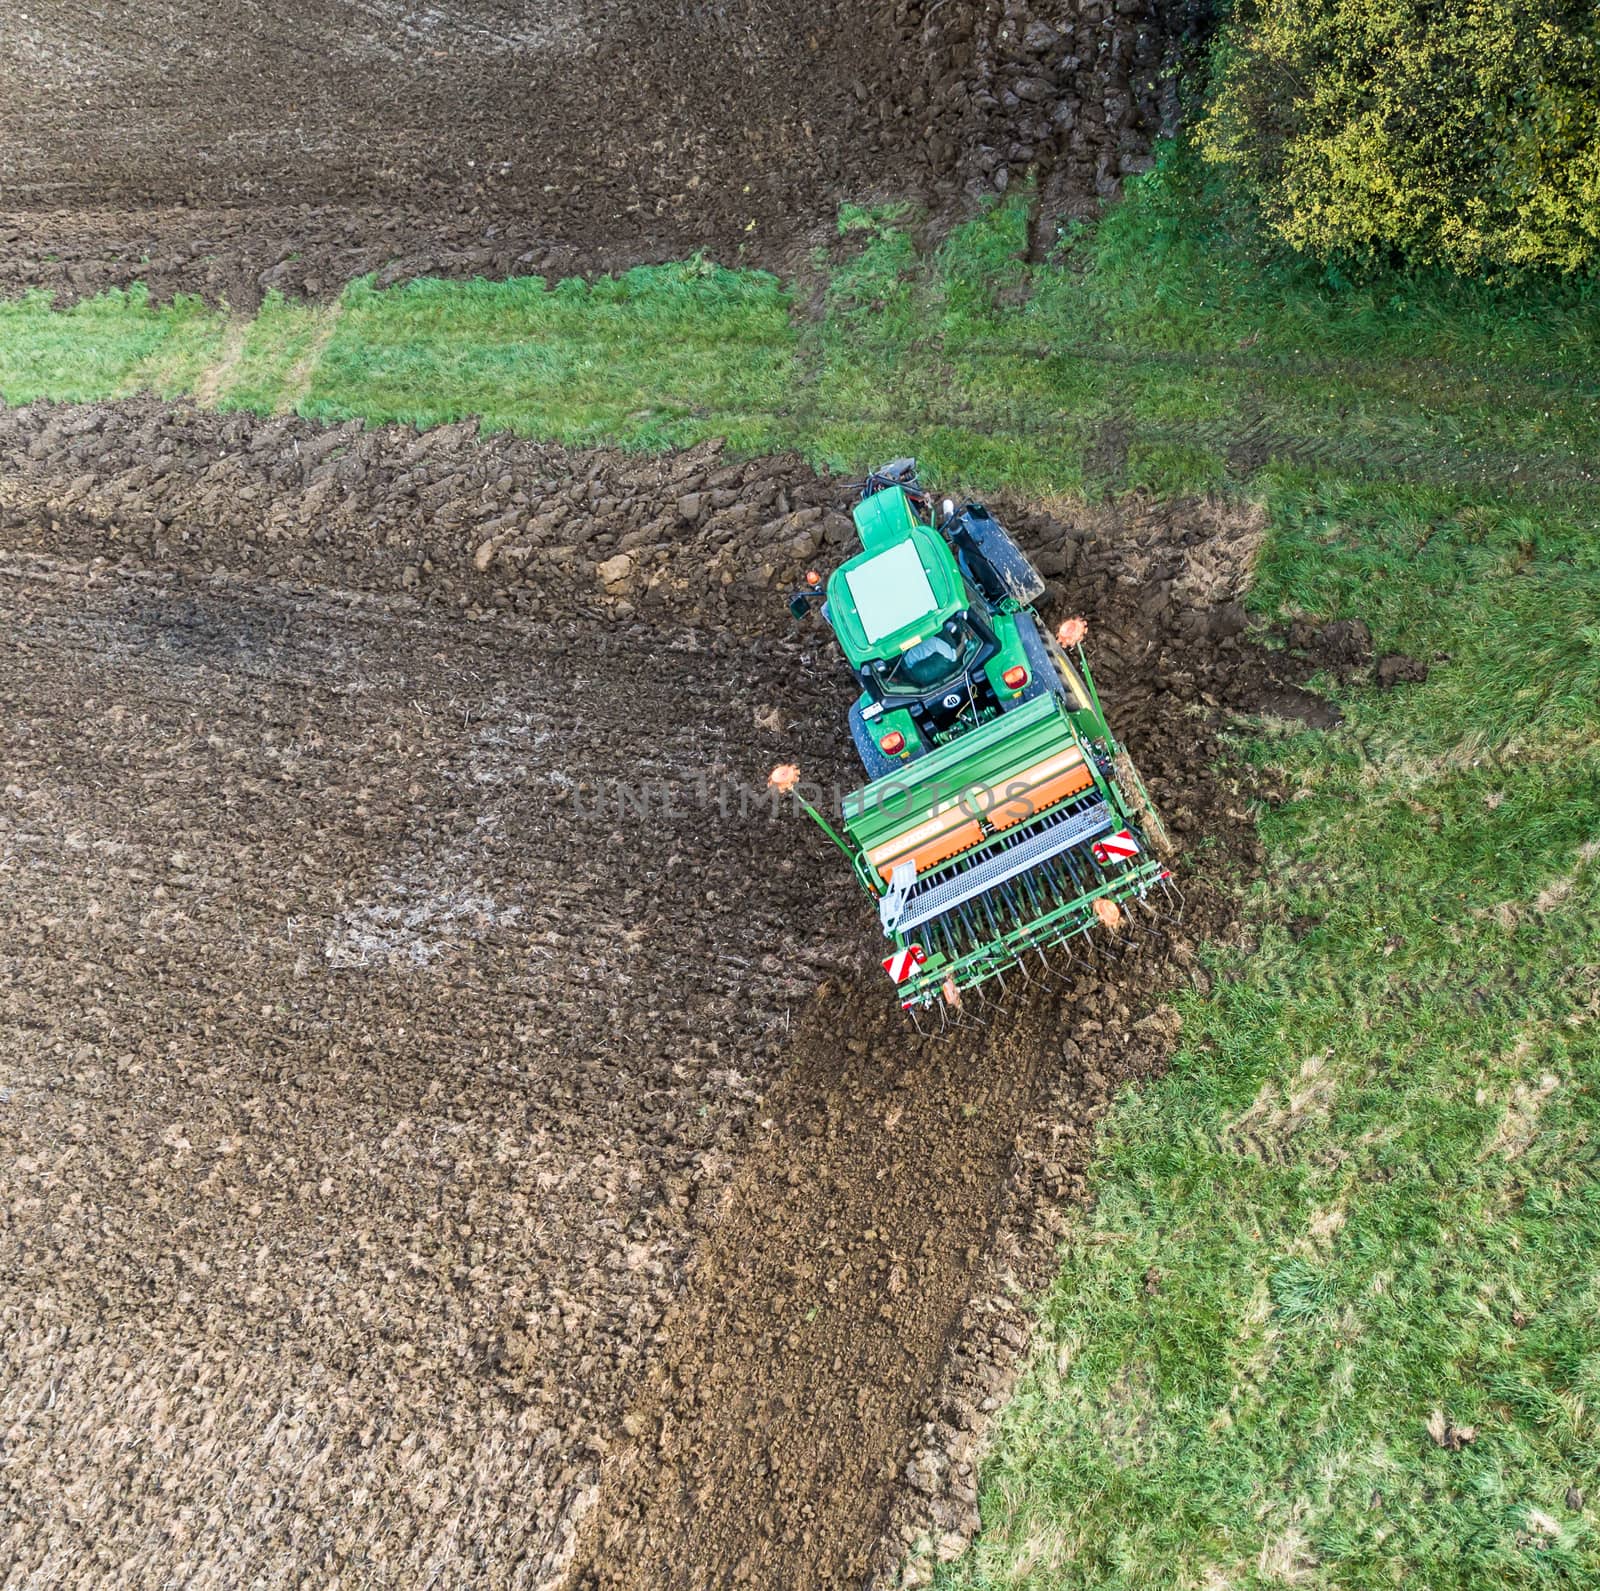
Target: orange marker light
(1016, 677)
(893, 743)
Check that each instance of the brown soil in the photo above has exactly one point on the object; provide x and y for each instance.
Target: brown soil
(233, 147)
(422, 1168)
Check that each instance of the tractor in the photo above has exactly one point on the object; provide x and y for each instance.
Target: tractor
(1000, 818)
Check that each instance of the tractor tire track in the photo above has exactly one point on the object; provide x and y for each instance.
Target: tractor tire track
(784, 1417)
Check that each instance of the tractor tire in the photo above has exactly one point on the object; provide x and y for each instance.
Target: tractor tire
(1000, 567)
(1050, 670)
(1139, 802)
(877, 762)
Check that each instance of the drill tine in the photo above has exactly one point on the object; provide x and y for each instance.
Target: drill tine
(974, 937)
(988, 911)
(1030, 888)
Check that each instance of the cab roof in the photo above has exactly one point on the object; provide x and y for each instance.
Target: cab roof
(900, 589)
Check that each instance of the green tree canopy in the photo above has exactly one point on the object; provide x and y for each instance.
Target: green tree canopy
(1463, 133)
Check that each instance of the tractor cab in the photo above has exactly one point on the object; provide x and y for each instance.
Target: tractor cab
(888, 601)
(910, 627)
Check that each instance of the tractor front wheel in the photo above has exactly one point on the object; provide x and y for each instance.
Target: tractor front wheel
(1000, 567)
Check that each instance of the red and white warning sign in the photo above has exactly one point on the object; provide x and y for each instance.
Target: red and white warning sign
(1116, 847)
(903, 963)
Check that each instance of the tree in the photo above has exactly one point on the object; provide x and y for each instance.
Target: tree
(1457, 132)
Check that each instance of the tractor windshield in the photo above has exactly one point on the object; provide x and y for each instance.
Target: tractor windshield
(932, 661)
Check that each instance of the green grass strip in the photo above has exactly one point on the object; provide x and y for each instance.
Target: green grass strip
(105, 347)
(1163, 349)
(659, 357)
(277, 356)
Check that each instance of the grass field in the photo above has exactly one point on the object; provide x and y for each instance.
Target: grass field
(1154, 351)
(1362, 1213)
(1332, 1321)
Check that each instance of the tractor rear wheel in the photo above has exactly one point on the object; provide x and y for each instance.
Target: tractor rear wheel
(877, 762)
(1050, 668)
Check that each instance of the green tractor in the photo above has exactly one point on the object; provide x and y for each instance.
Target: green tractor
(1000, 818)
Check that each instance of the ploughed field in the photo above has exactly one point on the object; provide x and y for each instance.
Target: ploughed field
(229, 148)
(457, 1131)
